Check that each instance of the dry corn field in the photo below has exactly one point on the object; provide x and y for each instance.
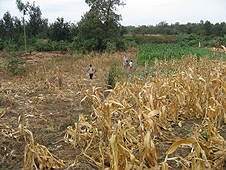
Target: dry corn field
(55, 117)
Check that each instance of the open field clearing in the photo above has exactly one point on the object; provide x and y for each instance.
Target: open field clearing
(167, 116)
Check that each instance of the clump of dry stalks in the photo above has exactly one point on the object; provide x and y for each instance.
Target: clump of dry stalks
(125, 128)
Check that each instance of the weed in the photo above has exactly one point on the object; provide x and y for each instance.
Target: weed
(110, 48)
(42, 76)
(112, 75)
(2, 100)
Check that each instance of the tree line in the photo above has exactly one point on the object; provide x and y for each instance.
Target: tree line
(98, 30)
(203, 28)
(190, 34)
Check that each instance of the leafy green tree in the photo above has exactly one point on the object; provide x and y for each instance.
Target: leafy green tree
(123, 30)
(59, 30)
(223, 24)
(23, 8)
(73, 30)
(7, 25)
(161, 27)
(91, 31)
(100, 25)
(217, 30)
(9, 31)
(35, 23)
(18, 30)
(2, 29)
(208, 28)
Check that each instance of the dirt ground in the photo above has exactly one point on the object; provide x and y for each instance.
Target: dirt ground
(47, 99)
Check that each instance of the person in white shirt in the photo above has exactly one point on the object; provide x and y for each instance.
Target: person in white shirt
(91, 71)
(131, 64)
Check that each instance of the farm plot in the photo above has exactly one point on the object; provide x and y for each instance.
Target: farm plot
(150, 52)
(168, 121)
(138, 125)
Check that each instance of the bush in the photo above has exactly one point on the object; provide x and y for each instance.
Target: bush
(121, 45)
(10, 45)
(14, 64)
(113, 75)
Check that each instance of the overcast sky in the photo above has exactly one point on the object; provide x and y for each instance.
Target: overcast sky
(135, 12)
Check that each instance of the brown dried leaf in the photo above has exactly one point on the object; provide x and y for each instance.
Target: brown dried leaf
(176, 144)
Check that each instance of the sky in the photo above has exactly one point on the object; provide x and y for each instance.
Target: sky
(134, 13)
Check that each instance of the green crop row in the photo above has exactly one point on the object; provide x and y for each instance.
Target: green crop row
(149, 52)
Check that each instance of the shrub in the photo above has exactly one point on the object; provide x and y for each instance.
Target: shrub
(10, 45)
(14, 64)
(112, 75)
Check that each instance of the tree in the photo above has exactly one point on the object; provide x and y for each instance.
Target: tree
(217, 30)
(10, 31)
(208, 27)
(223, 24)
(18, 29)
(91, 31)
(23, 8)
(34, 25)
(73, 30)
(100, 25)
(59, 30)
(7, 25)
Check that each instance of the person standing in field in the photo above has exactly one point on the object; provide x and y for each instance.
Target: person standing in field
(131, 64)
(91, 71)
(127, 64)
(124, 60)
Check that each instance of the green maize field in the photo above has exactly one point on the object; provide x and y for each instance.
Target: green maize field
(149, 52)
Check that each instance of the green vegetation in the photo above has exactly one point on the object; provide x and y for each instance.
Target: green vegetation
(202, 29)
(98, 30)
(150, 39)
(148, 53)
(112, 75)
(14, 64)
